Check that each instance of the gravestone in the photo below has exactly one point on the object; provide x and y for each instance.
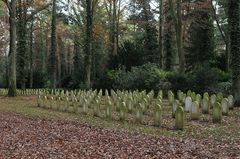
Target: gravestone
(189, 92)
(108, 109)
(170, 97)
(139, 113)
(188, 104)
(213, 100)
(198, 98)
(179, 118)
(96, 108)
(193, 96)
(205, 106)
(230, 102)
(39, 101)
(206, 95)
(183, 98)
(160, 94)
(180, 95)
(195, 115)
(219, 97)
(224, 105)
(130, 105)
(157, 115)
(122, 111)
(85, 106)
(174, 107)
(217, 113)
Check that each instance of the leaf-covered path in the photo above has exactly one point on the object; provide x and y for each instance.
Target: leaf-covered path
(22, 137)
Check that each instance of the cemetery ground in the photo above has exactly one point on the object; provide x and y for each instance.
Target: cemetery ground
(27, 131)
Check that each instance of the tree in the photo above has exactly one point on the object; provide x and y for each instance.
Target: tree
(160, 32)
(177, 18)
(53, 58)
(88, 48)
(201, 37)
(12, 91)
(234, 27)
(26, 10)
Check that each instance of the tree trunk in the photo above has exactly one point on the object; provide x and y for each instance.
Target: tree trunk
(114, 28)
(160, 30)
(12, 92)
(180, 37)
(88, 56)
(234, 25)
(22, 43)
(31, 56)
(53, 58)
(177, 18)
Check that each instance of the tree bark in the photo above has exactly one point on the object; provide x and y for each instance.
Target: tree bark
(160, 30)
(177, 18)
(180, 37)
(88, 56)
(234, 26)
(12, 92)
(53, 57)
(31, 56)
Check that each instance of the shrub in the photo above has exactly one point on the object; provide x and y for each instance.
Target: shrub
(147, 76)
(179, 81)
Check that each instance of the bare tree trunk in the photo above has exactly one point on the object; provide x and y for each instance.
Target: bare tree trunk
(234, 25)
(180, 37)
(53, 48)
(31, 56)
(12, 92)
(177, 18)
(88, 56)
(160, 30)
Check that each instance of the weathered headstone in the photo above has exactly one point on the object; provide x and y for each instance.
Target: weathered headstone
(179, 118)
(188, 104)
(225, 108)
(96, 108)
(230, 102)
(158, 115)
(174, 107)
(139, 113)
(195, 115)
(170, 97)
(198, 98)
(108, 109)
(206, 95)
(219, 97)
(205, 106)
(217, 113)
(122, 111)
(213, 100)
(189, 92)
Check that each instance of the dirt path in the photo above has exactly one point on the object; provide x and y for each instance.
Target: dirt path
(22, 137)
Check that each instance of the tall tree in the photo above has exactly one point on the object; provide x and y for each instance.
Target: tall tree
(177, 18)
(53, 58)
(234, 26)
(160, 32)
(201, 36)
(88, 49)
(12, 91)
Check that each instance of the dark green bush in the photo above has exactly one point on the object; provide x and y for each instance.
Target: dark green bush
(145, 77)
(179, 81)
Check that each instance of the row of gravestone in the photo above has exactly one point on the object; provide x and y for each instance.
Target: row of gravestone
(124, 103)
(25, 92)
(194, 102)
